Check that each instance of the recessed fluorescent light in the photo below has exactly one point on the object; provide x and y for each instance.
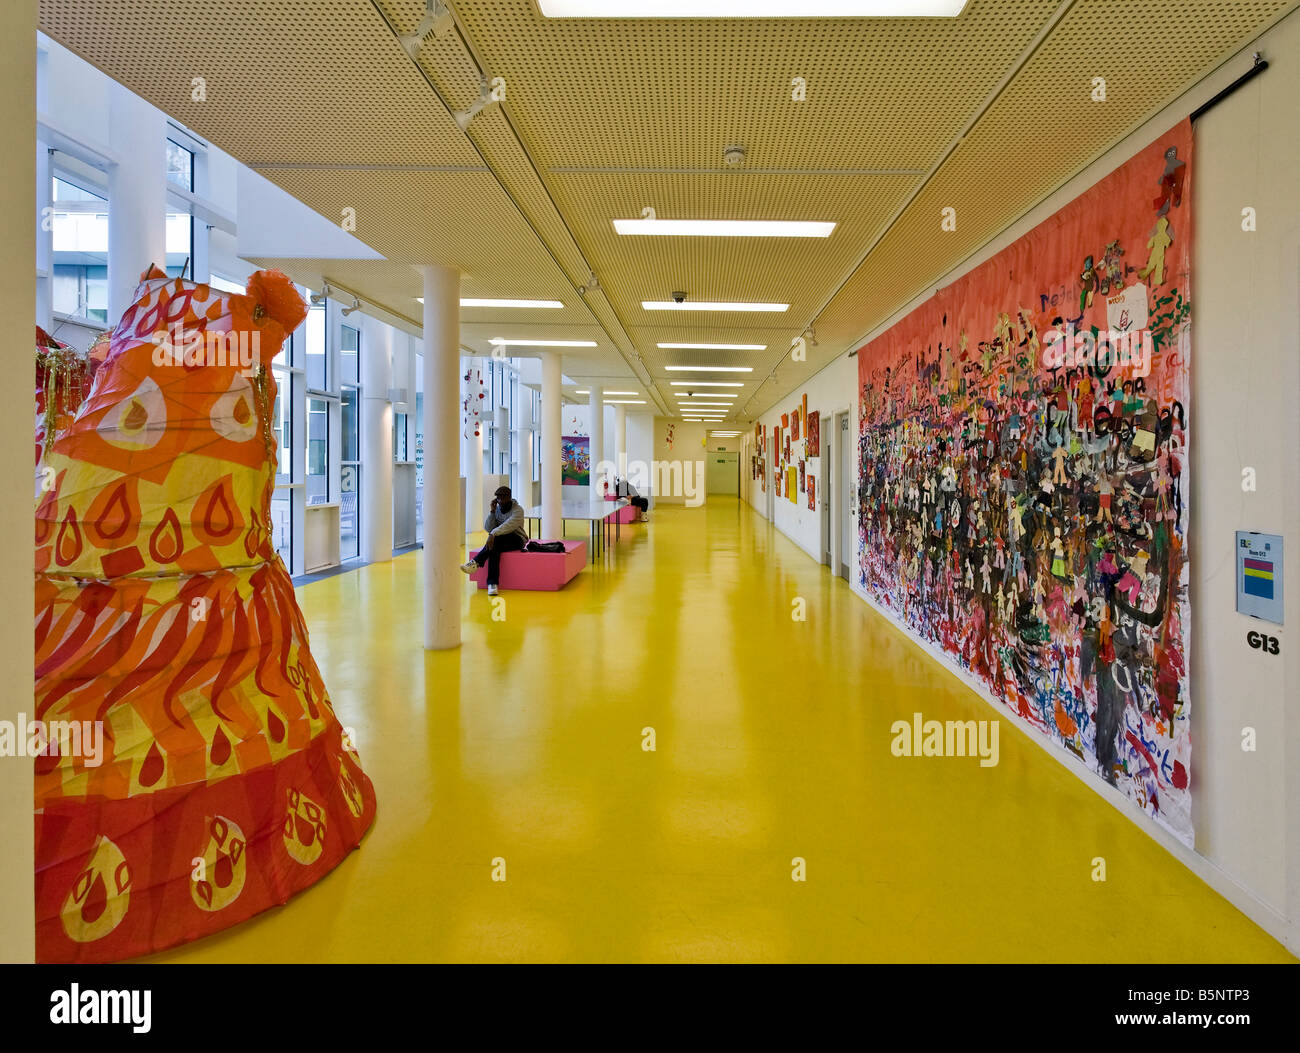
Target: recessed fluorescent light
(625, 402)
(751, 8)
(622, 392)
(701, 405)
(724, 228)
(707, 394)
(582, 392)
(718, 347)
(502, 341)
(471, 301)
(711, 305)
(710, 369)
(726, 434)
(706, 383)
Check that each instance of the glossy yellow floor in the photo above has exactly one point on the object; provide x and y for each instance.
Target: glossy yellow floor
(772, 742)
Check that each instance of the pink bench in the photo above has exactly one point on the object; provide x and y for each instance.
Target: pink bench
(537, 570)
(626, 514)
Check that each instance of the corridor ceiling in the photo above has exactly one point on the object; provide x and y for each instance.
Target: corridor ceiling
(986, 113)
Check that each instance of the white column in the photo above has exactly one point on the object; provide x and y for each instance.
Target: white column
(376, 444)
(620, 440)
(17, 193)
(551, 478)
(137, 196)
(474, 509)
(597, 429)
(443, 531)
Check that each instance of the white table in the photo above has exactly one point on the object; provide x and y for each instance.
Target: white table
(598, 515)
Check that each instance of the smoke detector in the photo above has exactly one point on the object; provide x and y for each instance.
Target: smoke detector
(733, 156)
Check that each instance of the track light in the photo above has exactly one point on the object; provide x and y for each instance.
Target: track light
(318, 299)
(356, 306)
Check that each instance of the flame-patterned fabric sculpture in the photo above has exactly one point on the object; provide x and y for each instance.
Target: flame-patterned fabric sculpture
(226, 783)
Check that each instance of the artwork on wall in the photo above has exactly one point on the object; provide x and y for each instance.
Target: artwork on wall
(814, 434)
(792, 483)
(803, 407)
(223, 782)
(1023, 458)
(575, 460)
(794, 424)
(802, 485)
(812, 491)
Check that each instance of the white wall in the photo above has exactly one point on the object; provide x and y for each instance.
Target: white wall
(690, 443)
(1245, 412)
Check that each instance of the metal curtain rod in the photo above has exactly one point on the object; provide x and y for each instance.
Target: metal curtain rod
(1261, 64)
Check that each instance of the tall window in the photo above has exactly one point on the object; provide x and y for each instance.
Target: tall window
(317, 359)
(79, 223)
(180, 165)
(350, 476)
(318, 451)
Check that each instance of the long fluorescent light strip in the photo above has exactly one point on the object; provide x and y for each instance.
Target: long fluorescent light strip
(711, 305)
(473, 301)
(709, 369)
(723, 228)
(625, 402)
(706, 383)
(501, 341)
(751, 8)
(716, 347)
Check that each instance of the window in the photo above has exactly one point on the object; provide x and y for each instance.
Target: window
(349, 354)
(281, 426)
(350, 476)
(180, 165)
(317, 360)
(79, 223)
(399, 437)
(318, 451)
(180, 245)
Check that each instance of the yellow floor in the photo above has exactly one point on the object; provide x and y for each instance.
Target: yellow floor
(773, 742)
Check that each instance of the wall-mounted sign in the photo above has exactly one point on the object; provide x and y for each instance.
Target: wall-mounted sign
(1259, 575)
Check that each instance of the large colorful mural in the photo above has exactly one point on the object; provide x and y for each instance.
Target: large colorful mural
(1023, 475)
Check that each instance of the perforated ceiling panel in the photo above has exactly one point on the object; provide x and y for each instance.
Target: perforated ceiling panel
(603, 118)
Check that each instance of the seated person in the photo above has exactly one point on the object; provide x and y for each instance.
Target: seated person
(622, 488)
(505, 526)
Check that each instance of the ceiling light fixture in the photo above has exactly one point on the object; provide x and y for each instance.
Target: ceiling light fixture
(724, 228)
(706, 383)
(715, 347)
(751, 8)
(711, 305)
(503, 342)
(471, 301)
(709, 369)
(622, 392)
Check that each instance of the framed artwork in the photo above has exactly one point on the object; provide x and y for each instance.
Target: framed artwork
(575, 460)
(812, 489)
(814, 434)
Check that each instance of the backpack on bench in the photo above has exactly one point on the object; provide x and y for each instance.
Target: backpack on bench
(544, 546)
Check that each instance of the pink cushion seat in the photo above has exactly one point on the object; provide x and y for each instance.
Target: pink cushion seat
(538, 571)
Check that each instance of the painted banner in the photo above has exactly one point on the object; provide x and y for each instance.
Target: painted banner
(575, 460)
(1023, 475)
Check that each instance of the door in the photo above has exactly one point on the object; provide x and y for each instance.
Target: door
(722, 474)
(827, 472)
(847, 490)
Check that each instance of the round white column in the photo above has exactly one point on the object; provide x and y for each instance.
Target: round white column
(552, 527)
(377, 444)
(443, 530)
(137, 194)
(620, 440)
(597, 440)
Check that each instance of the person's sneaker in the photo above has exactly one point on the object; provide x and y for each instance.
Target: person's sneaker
(492, 590)
(469, 567)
